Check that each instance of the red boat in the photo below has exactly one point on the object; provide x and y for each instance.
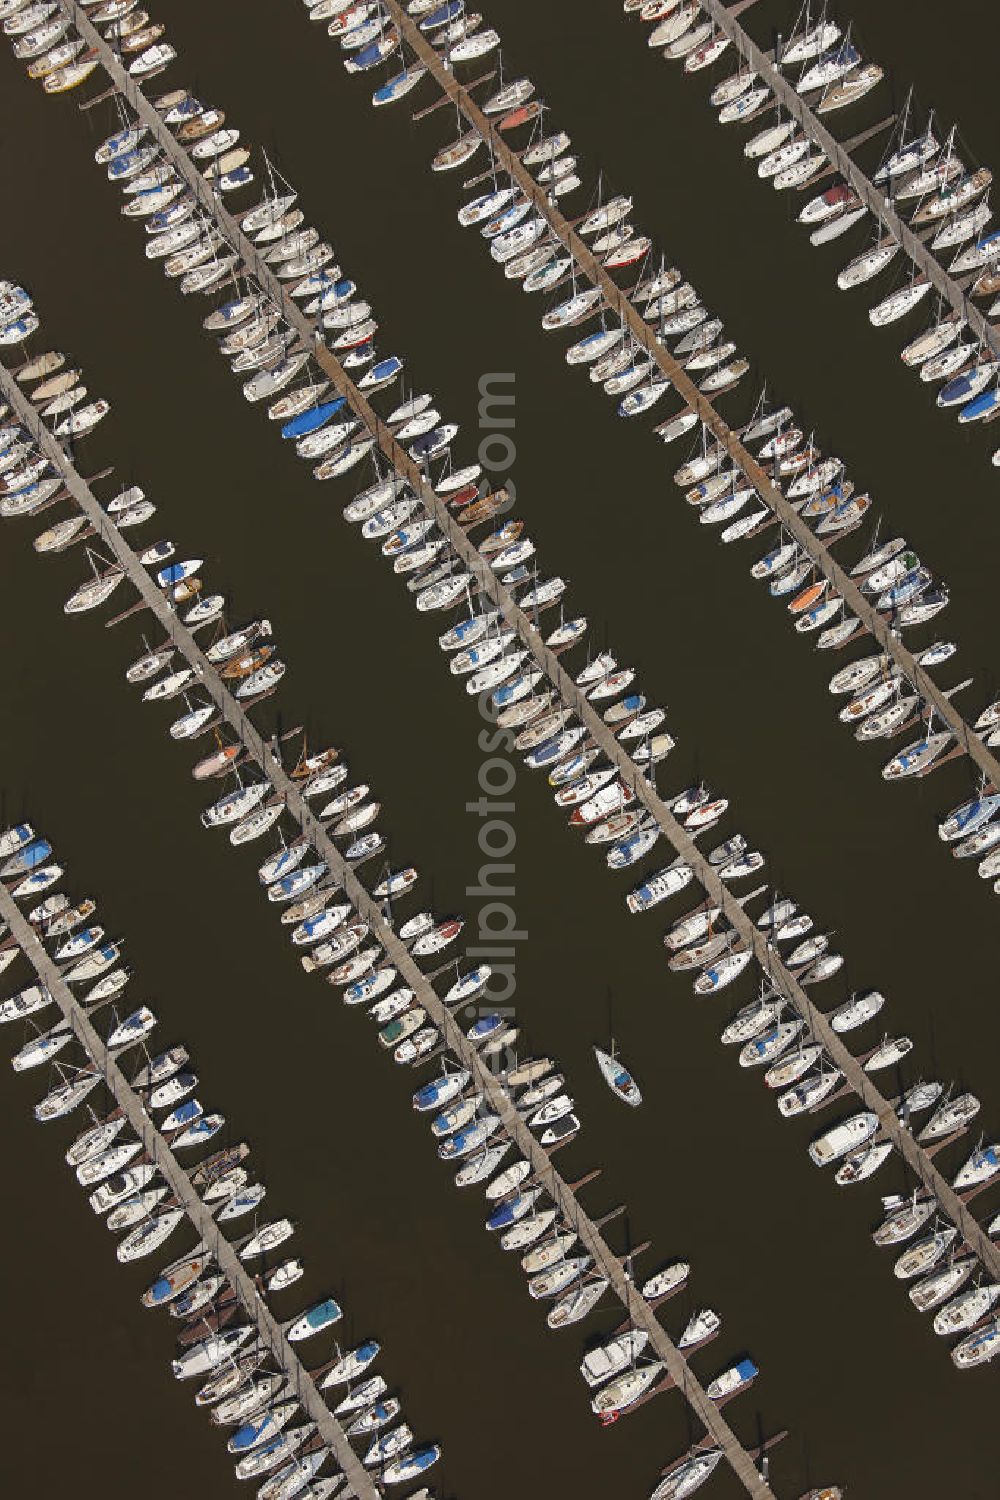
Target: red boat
(521, 115)
(464, 496)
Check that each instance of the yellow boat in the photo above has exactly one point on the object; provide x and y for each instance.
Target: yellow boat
(65, 79)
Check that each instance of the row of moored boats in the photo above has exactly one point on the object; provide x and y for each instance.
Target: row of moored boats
(923, 178)
(270, 1435)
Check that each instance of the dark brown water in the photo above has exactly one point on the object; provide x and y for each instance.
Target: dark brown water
(706, 1168)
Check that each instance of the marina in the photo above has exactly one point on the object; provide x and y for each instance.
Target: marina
(610, 1271)
(869, 197)
(724, 454)
(925, 752)
(669, 1038)
(273, 1343)
(786, 980)
(577, 701)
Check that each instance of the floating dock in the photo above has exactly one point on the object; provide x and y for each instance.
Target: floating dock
(645, 337)
(606, 1262)
(967, 741)
(359, 1482)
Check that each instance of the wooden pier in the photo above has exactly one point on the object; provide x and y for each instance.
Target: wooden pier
(843, 585)
(572, 697)
(359, 1482)
(645, 336)
(639, 1312)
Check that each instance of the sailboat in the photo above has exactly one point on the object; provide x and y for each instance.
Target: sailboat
(617, 1077)
(94, 592)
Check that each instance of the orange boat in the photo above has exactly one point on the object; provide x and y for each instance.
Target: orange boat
(308, 765)
(520, 116)
(201, 125)
(249, 661)
(988, 284)
(483, 509)
(807, 598)
(220, 760)
(502, 537)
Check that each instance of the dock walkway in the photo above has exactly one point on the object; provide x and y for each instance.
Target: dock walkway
(606, 1262)
(841, 160)
(359, 1482)
(645, 336)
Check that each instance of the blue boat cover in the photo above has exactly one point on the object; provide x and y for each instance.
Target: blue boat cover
(369, 57)
(34, 854)
(323, 1313)
(387, 367)
(308, 421)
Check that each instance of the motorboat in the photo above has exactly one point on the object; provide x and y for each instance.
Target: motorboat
(732, 1380)
(611, 1359)
(847, 1135)
(703, 1325)
(314, 1320)
(861, 1007)
(666, 1281)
